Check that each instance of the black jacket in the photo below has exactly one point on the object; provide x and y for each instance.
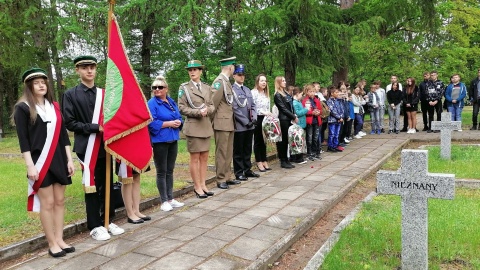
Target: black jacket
(78, 104)
(411, 99)
(434, 90)
(286, 112)
(394, 97)
(423, 90)
(473, 90)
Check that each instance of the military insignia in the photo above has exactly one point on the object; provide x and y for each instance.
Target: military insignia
(180, 93)
(217, 85)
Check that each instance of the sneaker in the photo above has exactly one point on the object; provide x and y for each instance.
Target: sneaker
(329, 149)
(429, 131)
(175, 204)
(379, 131)
(317, 156)
(460, 130)
(346, 140)
(286, 165)
(361, 133)
(340, 148)
(100, 234)
(115, 230)
(414, 131)
(350, 138)
(166, 207)
(303, 161)
(390, 131)
(409, 131)
(357, 136)
(372, 132)
(321, 151)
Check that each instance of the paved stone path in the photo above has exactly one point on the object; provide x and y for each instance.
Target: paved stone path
(245, 227)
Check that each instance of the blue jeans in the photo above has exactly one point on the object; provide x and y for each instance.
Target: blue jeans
(333, 131)
(357, 123)
(456, 111)
(375, 117)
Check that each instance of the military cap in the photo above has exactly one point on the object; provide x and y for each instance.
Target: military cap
(33, 73)
(239, 69)
(194, 64)
(228, 61)
(84, 60)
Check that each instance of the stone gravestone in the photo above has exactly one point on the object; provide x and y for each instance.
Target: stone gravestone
(446, 126)
(415, 185)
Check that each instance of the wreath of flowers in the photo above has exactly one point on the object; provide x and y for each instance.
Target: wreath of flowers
(296, 140)
(271, 129)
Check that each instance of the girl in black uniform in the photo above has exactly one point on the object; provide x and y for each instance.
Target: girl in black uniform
(45, 146)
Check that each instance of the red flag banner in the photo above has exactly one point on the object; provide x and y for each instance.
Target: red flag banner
(125, 109)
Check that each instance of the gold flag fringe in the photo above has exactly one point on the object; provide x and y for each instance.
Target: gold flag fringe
(90, 189)
(128, 132)
(126, 180)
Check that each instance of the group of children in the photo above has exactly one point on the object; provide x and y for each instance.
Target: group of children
(320, 108)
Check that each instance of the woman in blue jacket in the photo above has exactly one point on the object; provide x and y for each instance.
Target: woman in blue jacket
(454, 94)
(164, 134)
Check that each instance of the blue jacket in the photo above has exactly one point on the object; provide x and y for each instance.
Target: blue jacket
(301, 113)
(162, 112)
(352, 113)
(336, 110)
(461, 97)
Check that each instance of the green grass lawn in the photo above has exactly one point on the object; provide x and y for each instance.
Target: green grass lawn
(373, 240)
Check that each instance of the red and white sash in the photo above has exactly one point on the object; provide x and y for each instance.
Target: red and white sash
(125, 172)
(93, 146)
(54, 122)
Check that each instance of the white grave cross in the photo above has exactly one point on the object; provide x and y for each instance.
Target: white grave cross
(415, 185)
(446, 126)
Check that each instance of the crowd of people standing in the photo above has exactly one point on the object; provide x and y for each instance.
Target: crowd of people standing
(232, 114)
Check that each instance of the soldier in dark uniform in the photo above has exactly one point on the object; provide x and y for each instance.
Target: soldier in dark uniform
(245, 119)
(224, 124)
(195, 102)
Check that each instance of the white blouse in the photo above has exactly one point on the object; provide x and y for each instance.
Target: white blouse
(262, 102)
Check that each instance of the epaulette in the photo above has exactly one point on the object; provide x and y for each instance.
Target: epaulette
(185, 83)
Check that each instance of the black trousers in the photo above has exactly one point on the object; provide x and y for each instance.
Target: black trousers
(282, 147)
(476, 107)
(95, 202)
(259, 146)
(242, 152)
(405, 116)
(431, 110)
(164, 156)
(424, 106)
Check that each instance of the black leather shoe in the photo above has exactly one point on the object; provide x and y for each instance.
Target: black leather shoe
(429, 131)
(329, 149)
(222, 185)
(200, 196)
(286, 165)
(403, 130)
(268, 169)
(146, 218)
(138, 221)
(436, 131)
(209, 193)
(240, 178)
(425, 129)
(233, 182)
(69, 249)
(58, 254)
(251, 174)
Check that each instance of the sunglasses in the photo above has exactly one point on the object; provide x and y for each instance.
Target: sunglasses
(160, 87)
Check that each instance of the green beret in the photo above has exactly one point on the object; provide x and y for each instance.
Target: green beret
(228, 61)
(194, 64)
(34, 73)
(84, 60)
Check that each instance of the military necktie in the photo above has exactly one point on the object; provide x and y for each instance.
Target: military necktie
(199, 88)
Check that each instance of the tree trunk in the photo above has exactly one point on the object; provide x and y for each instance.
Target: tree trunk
(341, 74)
(60, 87)
(146, 53)
(290, 69)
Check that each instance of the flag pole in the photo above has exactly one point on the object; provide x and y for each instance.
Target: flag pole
(108, 172)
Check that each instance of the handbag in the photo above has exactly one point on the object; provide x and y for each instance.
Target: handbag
(117, 199)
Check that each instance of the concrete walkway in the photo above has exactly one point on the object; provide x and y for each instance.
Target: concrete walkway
(245, 227)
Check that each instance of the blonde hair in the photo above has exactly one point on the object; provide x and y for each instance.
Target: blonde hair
(278, 88)
(160, 78)
(307, 88)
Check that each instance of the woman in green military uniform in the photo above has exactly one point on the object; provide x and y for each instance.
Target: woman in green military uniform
(195, 102)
